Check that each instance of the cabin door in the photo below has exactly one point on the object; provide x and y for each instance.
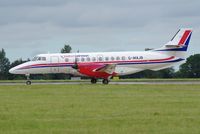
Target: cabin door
(54, 64)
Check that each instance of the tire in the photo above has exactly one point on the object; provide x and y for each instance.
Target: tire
(28, 82)
(105, 81)
(93, 81)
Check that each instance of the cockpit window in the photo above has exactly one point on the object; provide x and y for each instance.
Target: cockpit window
(35, 58)
(39, 58)
(43, 58)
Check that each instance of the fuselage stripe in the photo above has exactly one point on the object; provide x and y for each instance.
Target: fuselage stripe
(166, 60)
(185, 36)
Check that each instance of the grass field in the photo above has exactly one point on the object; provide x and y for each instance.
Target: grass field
(100, 109)
(114, 80)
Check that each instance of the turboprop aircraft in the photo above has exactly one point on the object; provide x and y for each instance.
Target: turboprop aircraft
(104, 65)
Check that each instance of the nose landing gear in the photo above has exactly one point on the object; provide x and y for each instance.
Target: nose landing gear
(28, 82)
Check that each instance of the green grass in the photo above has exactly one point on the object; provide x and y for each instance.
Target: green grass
(114, 80)
(100, 109)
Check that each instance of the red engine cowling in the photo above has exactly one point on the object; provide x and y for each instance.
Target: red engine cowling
(90, 70)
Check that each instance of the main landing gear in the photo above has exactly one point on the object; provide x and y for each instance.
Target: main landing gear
(28, 82)
(104, 81)
(93, 81)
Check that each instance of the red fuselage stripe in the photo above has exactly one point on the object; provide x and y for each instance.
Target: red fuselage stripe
(131, 61)
(185, 36)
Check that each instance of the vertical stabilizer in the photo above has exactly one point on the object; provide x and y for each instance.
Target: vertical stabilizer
(178, 45)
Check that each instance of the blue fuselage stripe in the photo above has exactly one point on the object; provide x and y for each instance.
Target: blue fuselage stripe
(125, 63)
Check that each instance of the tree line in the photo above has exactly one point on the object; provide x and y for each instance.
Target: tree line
(190, 69)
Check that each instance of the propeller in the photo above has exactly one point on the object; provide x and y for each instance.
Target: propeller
(75, 66)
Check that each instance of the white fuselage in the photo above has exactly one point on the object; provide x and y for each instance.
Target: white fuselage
(126, 62)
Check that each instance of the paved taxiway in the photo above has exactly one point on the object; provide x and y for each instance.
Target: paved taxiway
(113, 83)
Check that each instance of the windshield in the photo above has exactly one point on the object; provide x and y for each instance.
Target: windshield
(34, 58)
(37, 58)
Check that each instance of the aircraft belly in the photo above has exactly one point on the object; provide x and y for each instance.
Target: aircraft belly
(134, 68)
(155, 66)
(125, 70)
(39, 70)
(161, 66)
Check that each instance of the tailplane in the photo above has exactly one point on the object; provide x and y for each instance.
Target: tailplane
(179, 42)
(176, 47)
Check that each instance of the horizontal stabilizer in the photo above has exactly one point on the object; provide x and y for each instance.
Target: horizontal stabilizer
(174, 46)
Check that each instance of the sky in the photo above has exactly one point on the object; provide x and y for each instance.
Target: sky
(30, 27)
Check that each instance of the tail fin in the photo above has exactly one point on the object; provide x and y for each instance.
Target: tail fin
(179, 42)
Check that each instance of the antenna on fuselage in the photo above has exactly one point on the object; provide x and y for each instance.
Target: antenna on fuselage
(148, 49)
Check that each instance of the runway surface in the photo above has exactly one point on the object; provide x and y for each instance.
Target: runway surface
(112, 83)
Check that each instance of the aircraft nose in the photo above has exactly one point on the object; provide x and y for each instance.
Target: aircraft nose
(12, 70)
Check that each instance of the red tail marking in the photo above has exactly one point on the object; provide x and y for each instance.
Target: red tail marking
(185, 36)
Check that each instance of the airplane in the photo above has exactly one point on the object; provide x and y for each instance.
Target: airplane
(104, 65)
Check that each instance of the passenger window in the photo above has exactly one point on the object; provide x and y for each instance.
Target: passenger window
(123, 58)
(93, 59)
(100, 59)
(77, 59)
(112, 58)
(88, 58)
(82, 59)
(118, 58)
(66, 60)
(107, 58)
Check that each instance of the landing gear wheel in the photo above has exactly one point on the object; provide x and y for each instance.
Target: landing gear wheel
(93, 81)
(28, 82)
(105, 81)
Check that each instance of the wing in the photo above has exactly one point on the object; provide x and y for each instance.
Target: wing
(97, 70)
(107, 68)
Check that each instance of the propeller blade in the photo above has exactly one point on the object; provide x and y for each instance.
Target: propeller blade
(75, 66)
